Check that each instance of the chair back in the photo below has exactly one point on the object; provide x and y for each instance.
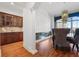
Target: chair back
(60, 37)
(76, 36)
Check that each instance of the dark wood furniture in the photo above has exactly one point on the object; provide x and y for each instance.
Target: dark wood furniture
(76, 40)
(10, 20)
(10, 37)
(60, 41)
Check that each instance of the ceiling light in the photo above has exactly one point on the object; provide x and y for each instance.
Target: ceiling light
(64, 15)
(50, 2)
(12, 3)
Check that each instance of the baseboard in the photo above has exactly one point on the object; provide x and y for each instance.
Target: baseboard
(32, 51)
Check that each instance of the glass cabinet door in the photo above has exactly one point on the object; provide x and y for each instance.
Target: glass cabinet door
(8, 21)
(2, 20)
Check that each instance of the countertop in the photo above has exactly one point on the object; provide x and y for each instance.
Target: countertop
(10, 29)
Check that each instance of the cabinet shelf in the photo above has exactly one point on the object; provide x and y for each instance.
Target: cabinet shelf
(10, 20)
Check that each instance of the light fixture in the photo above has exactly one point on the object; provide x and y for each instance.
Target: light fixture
(50, 2)
(64, 16)
(12, 3)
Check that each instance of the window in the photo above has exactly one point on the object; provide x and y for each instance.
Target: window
(72, 22)
(68, 25)
(75, 24)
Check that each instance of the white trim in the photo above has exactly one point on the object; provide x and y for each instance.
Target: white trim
(43, 38)
(32, 51)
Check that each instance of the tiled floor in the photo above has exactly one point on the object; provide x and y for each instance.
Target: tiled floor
(45, 49)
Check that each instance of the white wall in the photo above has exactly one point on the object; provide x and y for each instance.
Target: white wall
(42, 21)
(52, 22)
(29, 31)
(37, 20)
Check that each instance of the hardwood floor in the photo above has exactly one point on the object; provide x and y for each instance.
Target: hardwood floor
(0, 51)
(14, 50)
(45, 49)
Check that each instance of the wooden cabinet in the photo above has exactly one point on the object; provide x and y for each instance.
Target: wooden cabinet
(7, 38)
(0, 39)
(19, 21)
(14, 20)
(10, 20)
(5, 19)
(3, 39)
(20, 36)
(2, 19)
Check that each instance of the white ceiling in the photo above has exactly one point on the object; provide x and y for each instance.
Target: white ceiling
(54, 8)
(17, 7)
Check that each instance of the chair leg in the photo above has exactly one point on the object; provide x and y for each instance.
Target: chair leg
(77, 50)
(77, 47)
(73, 47)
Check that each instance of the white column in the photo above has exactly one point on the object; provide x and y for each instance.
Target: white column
(52, 22)
(29, 30)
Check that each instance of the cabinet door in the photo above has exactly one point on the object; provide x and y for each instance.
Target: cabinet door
(19, 21)
(8, 21)
(15, 37)
(2, 20)
(14, 21)
(20, 36)
(0, 39)
(11, 38)
(3, 39)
